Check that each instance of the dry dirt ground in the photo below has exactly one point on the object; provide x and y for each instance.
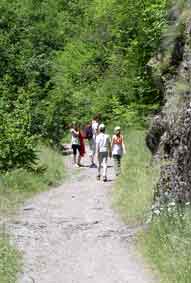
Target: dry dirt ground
(70, 234)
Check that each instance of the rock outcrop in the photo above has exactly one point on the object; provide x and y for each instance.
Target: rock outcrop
(169, 137)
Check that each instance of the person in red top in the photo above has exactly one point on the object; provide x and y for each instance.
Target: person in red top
(118, 149)
(82, 144)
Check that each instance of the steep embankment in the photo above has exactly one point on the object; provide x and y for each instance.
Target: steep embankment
(170, 134)
(167, 242)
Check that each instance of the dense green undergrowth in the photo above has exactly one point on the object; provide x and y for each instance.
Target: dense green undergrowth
(15, 187)
(166, 241)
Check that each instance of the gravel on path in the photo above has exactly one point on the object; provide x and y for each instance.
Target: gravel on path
(70, 234)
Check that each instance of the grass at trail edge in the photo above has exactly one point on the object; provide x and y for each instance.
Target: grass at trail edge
(9, 261)
(166, 243)
(134, 189)
(19, 184)
(15, 187)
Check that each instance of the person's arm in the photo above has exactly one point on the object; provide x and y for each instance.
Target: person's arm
(97, 147)
(112, 142)
(110, 147)
(123, 146)
(76, 133)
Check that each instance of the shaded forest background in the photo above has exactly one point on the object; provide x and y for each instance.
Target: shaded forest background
(67, 60)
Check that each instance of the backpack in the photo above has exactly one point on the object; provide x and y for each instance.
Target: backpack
(89, 132)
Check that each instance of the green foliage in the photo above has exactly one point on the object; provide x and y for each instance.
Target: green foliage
(66, 60)
(17, 145)
(104, 66)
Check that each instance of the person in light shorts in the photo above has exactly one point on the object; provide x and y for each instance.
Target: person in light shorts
(103, 149)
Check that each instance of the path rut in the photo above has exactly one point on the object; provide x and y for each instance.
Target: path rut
(71, 235)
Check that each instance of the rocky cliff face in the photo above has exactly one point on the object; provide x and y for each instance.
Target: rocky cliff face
(169, 137)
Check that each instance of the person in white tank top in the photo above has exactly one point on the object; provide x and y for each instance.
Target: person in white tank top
(75, 143)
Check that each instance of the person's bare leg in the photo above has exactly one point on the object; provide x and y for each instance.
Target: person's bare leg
(94, 153)
(105, 169)
(79, 160)
(99, 167)
(74, 158)
(92, 158)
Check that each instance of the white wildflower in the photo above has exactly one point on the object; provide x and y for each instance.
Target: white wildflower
(169, 209)
(172, 203)
(157, 211)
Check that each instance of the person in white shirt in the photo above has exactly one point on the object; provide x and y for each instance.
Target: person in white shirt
(75, 142)
(92, 143)
(103, 149)
(118, 149)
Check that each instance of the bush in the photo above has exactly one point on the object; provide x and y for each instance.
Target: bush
(17, 145)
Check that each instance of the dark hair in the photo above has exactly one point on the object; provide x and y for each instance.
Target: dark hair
(97, 117)
(75, 126)
(102, 130)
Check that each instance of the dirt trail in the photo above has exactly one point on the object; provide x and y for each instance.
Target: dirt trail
(71, 235)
